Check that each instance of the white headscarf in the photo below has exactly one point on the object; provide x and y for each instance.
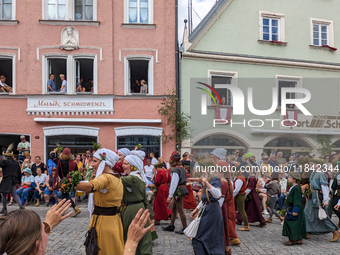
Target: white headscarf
(125, 151)
(139, 153)
(107, 157)
(220, 153)
(138, 163)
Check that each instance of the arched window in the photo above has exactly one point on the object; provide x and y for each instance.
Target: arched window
(287, 145)
(209, 143)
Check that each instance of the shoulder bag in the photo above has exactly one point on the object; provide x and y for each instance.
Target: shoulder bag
(322, 213)
(191, 230)
(91, 243)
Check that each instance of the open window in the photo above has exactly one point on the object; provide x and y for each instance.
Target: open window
(224, 94)
(57, 66)
(6, 75)
(287, 84)
(138, 71)
(84, 75)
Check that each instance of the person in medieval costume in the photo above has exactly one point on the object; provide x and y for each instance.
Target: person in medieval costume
(239, 193)
(134, 198)
(160, 205)
(252, 204)
(336, 191)
(118, 167)
(228, 207)
(106, 193)
(319, 197)
(294, 225)
(177, 191)
(11, 176)
(210, 234)
(189, 201)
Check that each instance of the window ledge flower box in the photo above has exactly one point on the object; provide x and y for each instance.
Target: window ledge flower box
(323, 47)
(279, 43)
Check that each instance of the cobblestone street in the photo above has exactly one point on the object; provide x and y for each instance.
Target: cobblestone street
(68, 238)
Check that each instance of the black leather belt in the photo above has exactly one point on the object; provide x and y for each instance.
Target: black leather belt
(107, 211)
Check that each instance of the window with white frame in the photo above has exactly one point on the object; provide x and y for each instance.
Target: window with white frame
(272, 27)
(6, 9)
(70, 10)
(79, 74)
(84, 75)
(287, 84)
(83, 9)
(224, 94)
(56, 9)
(320, 34)
(139, 11)
(139, 75)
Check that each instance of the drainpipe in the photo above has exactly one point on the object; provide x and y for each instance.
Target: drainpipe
(177, 64)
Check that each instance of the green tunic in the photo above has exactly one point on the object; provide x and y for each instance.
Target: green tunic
(135, 198)
(295, 229)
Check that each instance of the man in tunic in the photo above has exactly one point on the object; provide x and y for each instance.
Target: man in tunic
(252, 204)
(320, 196)
(177, 191)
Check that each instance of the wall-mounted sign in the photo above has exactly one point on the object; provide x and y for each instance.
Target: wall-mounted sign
(50, 105)
(323, 122)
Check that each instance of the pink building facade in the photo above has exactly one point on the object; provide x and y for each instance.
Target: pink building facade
(109, 45)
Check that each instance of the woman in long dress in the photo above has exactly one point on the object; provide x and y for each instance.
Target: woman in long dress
(209, 238)
(104, 201)
(134, 198)
(320, 196)
(160, 206)
(189, 201)
(295, 224)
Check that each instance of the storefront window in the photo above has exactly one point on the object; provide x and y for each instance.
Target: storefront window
(208, 144)
(149, 143)
(285, 142)
(77, 144)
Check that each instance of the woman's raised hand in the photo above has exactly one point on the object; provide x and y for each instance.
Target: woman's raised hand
(57, 213)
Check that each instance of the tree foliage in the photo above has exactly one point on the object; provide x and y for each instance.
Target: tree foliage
(178, 121)
(325, 142)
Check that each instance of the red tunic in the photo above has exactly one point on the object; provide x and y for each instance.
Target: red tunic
(160, 205)
(244, 184)
(189, 201)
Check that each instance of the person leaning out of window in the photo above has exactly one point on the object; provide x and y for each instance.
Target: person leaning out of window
(3, 86)
(143, 87)
(63, 88)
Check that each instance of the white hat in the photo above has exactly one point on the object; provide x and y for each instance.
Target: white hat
(220, 153)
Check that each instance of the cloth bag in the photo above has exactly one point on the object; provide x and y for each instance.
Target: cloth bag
(91, 243)
(322, 213)
(191, 230)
